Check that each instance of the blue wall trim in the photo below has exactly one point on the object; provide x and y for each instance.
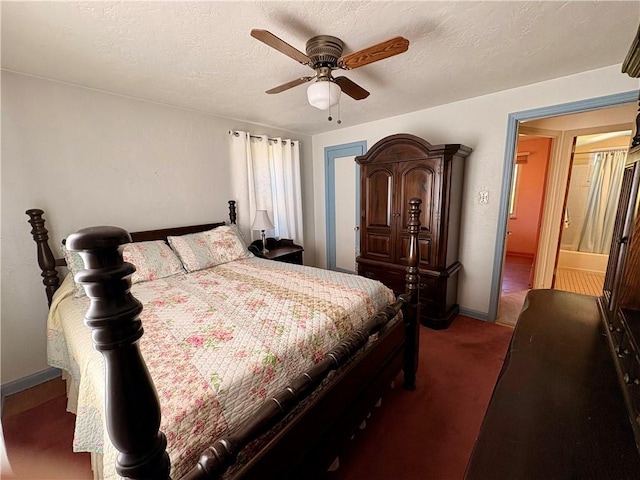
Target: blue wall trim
(513, 121)
(330, 155)
(474, 314)
(11, 388)
(578, 107)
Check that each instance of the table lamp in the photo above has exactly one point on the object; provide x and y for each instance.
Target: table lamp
(262, 222)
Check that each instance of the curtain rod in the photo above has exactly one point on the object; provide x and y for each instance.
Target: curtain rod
(603, 150)
(237, 134)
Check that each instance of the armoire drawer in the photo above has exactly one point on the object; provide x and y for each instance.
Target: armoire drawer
(394, 279)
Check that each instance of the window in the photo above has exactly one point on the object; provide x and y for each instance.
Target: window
(512, 194)
(521, 158)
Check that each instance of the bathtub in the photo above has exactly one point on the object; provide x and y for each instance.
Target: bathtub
(588, 262)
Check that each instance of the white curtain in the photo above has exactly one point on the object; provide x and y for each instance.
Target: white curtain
(266, 176)
(602, 201)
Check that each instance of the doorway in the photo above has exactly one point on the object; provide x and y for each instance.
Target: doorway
(526, 199)
(556, 122)
(342, 194)
(593, 189)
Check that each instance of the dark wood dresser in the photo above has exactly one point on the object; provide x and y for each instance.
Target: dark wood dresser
(394, 170)
(557, 410)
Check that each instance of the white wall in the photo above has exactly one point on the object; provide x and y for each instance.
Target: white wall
(479, 123)
(91, 158)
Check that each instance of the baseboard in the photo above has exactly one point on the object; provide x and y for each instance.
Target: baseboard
(583, 270)
(11, 388)
(474, 314)
(520, 254)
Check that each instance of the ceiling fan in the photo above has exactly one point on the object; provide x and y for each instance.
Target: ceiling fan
(324, 54)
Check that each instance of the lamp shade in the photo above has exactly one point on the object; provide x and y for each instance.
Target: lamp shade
(323, 94)
(262, 221)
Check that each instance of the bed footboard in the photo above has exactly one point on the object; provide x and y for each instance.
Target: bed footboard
(131, 404)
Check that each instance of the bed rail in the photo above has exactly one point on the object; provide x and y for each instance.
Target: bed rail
(131, 405)
(223, 453)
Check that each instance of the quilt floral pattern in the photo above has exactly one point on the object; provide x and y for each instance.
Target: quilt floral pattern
(210, 248)
(153, 260)
(217, 342)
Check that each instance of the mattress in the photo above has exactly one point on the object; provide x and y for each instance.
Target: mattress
(217, 342)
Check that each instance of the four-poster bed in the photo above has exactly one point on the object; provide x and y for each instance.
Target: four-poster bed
(323, 403)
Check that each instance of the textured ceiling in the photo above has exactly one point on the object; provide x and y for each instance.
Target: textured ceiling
(199, 55)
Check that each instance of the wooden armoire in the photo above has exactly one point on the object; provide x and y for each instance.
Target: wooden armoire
(396, 169)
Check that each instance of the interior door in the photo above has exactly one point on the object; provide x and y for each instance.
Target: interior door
(342, 182)
(346, 223)
(564, 209)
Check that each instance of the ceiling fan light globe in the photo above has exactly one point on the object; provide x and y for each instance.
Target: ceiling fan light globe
(323, 94)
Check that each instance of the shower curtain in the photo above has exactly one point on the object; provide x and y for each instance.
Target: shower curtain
(602, 201)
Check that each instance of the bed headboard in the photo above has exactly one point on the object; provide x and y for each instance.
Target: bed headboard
(48, 262)
(162, 234)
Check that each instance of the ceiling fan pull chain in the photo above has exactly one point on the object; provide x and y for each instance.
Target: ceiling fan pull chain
(331, 118)
(329, 97)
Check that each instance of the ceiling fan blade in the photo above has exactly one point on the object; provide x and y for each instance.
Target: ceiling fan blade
(270, 39)
(374, 53)
(352, 89)
(291, 84)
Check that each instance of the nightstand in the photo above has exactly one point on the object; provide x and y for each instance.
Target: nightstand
(282, 250)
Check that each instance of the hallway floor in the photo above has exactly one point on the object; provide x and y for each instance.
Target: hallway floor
(515, 285)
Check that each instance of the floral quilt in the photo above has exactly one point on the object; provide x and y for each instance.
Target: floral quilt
(217, 342)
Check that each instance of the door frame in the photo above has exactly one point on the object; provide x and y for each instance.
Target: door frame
(513, 121)
(553, 192)
(552, 218)
(330, 154)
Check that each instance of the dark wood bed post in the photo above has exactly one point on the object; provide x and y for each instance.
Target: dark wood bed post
(46, 259)
(232, 211)
(411, 308)
(132, 408)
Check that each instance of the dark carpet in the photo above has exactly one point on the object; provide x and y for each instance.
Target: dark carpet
(429, 433)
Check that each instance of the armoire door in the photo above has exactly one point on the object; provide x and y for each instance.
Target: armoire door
(421, 179)
(378, 215)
